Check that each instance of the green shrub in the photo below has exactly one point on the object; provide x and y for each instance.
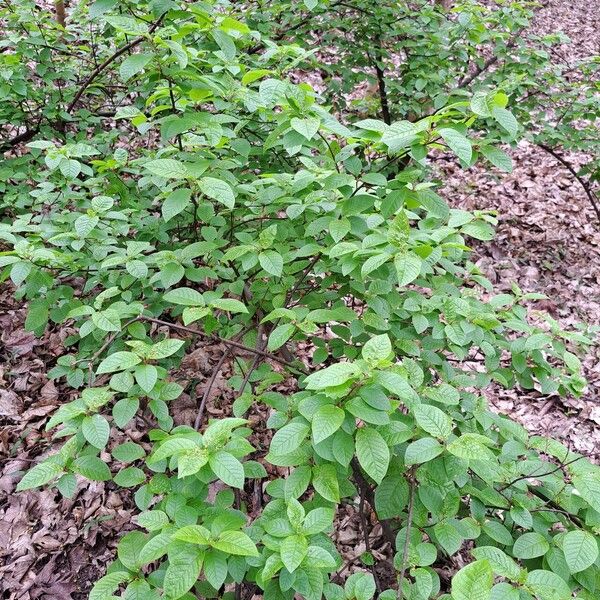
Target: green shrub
(227, 205)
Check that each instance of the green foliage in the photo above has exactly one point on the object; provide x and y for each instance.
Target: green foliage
(229, 198)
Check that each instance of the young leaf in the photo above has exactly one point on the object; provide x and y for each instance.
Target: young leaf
(118, 361)
(39, 475)
(236, 543)
(458, 143)
(96, 430)
(218, 190)
(293, 549)
(334, 375)
(372, 452)
(167, 168)
(473, 582)
(175, 203)
(271, 262)
(326, 421)
(227, 468)
(288, 438)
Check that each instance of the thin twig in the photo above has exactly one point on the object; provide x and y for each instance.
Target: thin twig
(411, 505)
(584, 184)
(388, 533)
(213, 378)
(132, 44)
(209, 386)
(217, 339)
(365, 531)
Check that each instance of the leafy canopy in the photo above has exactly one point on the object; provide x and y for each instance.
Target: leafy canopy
(186, 192)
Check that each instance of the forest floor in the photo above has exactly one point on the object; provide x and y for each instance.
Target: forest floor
(547, 241)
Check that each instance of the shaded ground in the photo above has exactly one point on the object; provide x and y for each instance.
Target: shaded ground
(548, 241)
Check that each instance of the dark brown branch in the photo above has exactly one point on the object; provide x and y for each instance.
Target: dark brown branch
(411, 505)
(209, 386)
(132, 44)
(584, 184)
(217, 339)
(19, 139)
(490, 62)
(365, 489)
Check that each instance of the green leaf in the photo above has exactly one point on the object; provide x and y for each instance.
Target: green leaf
(458, 143)
(271, 262)
(497, 157)
(422, 450)
(152, 519)
(218, 190)
(318, 520)
(67, 485)
(580, 549)
(377, 348)
(228, 469)
(164, 349)
(96, 431)
(181, 574)
(506, 120)
(408, 267)
(154, 548)
(588, 487)
(530, 545)
(480, 105)
(297, 482)
(373, 262)
(92, 467)
(372, 452)
(146, 377)
(279, 336)
(137, 268)
(547, 585)
(193, 534)
(448, 537)
(105, 586)
(293, 549)
(397, 136)
(391, 497)
(236, 543)
(473, 582)
(39, 475)
(478, 230)
(118, 361)
(471, 446)
(229, 305)
(128, 452)
(129, 477)
(124, 410)
(433, 420)
(306, 127)
(171, 447)
(184, 296)
(334, 375)
(37, 315)
(175, 203)
(215, 568)
(288, 438)
(326, 483)
(167, 168)
(319, 558)
(133, 64)
(107, 320)
(364, 586)
(501, 563)
(326, 421)
(191, 461)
